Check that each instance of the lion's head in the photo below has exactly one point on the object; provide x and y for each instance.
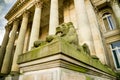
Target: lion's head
(63, 29)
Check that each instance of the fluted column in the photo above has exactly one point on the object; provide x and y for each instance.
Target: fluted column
(54, 17)
(20, 42)
(100, 53)
(116, 10)
(4, 44)
(8, 55)
(36, 24)
(84, 31)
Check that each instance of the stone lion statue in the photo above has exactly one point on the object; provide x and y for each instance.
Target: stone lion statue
(67, 32)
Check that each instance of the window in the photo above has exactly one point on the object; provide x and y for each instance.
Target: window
(115, 46)
(108, 22)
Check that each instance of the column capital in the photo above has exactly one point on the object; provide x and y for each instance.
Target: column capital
(26, 13)
(67, 3)
(16, 20)
(12, 21)
(15, 24)
(113, 2)
(8, 27)
(38, 4)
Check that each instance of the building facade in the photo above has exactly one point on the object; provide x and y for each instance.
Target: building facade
(97, 24)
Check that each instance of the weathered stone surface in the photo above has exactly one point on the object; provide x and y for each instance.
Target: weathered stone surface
(67, 32)
(60, 47)
(47, 74)
(59, 74)
(28, 77)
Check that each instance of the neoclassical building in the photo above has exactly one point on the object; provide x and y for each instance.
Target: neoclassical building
(97, 23)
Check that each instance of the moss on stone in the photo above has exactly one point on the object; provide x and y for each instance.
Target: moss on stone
(60, 46)
(88, 78)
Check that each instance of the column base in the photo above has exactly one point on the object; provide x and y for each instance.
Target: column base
(12, 77)
(2, 77)
(8, 77)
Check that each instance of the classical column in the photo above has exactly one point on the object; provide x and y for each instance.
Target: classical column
(8, 55)
(116, 10)
(66, 12)
(100, 53)
(4, 44)
(36, 24)
(54, 17)
(84, 31)
(20, 42)
(27, 39)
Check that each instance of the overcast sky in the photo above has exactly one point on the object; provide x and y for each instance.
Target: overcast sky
(5, 5)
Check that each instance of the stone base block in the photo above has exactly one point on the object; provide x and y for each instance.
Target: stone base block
(58, 74)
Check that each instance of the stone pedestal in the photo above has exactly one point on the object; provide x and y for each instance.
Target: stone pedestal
(59, 60)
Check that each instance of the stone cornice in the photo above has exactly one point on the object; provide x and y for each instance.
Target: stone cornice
(16, 7)
(100, 3)
(114, 2)
(19, 8)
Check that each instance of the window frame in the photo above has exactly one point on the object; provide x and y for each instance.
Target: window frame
(114, 60)
(111, 22)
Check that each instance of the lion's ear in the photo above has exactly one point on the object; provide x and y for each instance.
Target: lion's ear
(69, 23)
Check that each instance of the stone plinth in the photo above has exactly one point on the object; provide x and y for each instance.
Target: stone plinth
(59, 60)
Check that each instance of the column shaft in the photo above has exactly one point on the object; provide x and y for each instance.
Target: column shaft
(27, 39)
(66, 13)
(54, 17)
(36, 25)
(8, 55)
(116, 10)
(100, 53)
(20, 42)
(85, 35)
(4, 44)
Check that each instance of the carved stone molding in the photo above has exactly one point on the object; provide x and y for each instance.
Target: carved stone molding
(38, 4)
(100, 3)
(113, 2)
(16, 8)
(26, 13)
(8, 27)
